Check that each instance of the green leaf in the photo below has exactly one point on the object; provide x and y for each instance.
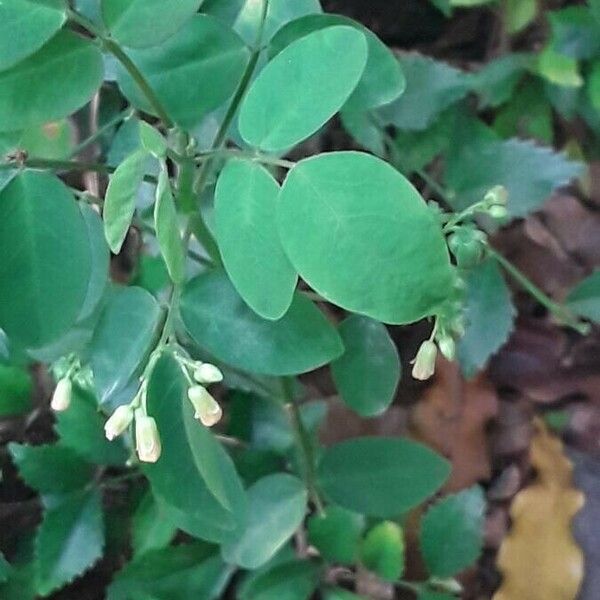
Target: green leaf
(558, 69)
(52, 141)
(441, 84)
(595, 8)
(51, 468)
(381, 477)
(527, 114)
(530, 173)
(167, 229)
(519, 14)
(431, 595)
(584, 298)
(151, 528)
(119, 203)
(382, 551)
(295, 580)
(245, 15)
(470, 2)
(336, 534)
(340, 594)
(100, 262)
(25, 26)
(360, 125)
(192, 72)
(15, 391)
(122, 338)
(70, 539)
(57, 80)
(180, 573)
(416, 149)
(386, 259)
(152, 140)
(367, 374)
(574, 32)
(302, 340)
(212, 503)
(497, 80)
(593, 85)
(245, 219)
(143, 23)
(276, 508)
(45, 258)
(451, 534)
(81, 428)
(490, 316)
(5, 569)
(382, 80)
(302, 88)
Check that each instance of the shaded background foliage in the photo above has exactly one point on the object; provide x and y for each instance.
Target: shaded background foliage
(483, 425)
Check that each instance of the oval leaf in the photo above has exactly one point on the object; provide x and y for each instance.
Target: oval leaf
(367, 374)
(25, 26)
(382, 80)
(302, 88)
(142, 23)
(53, 83)
(221, 322)
(122, 338)
(212, 503)
(381, 477)
(119, 204)
(452, 533)
(276, 507)
(245, 210)
(167, 229)
(192, 73)
(100, 257)
(360, 234)
(45, 259)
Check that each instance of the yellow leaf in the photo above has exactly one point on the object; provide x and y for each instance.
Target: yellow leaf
(540, 559)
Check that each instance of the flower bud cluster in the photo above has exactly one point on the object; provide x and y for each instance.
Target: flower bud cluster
(147, 439)
(200, 375)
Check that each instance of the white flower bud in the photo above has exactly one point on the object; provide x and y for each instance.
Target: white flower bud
(206, 374)
(147, 440)
(424, 362)
(498, 212)
(61, 399)
(207, 408)
(447, 347)
(118, 422)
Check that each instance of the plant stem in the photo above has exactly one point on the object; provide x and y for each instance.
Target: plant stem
(304, 443)
(561, 312)
(58, 165)
(116, 50)
(200, 227)
(255, 156)
(122, 116)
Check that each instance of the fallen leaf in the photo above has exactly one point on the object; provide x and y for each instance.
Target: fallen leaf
(539, 558)
(452, 417)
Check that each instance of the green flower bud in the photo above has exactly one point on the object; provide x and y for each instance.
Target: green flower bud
(206, 374)
(118, 422)
(207, 408)
(61, 398)
(447, 346)
(498, 212)
(497, 195)
(147, 440)
(467, 244)
(424, 362)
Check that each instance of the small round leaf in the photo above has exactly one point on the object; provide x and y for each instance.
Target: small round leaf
(302, 88)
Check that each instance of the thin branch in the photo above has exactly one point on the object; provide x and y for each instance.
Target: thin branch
(111, 46)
